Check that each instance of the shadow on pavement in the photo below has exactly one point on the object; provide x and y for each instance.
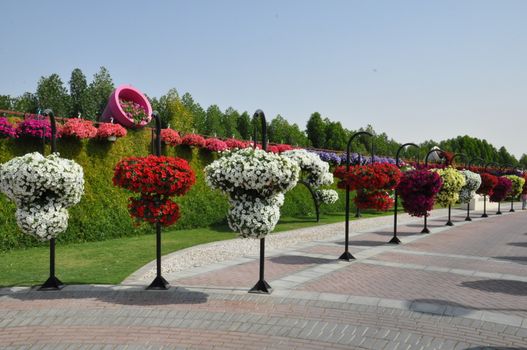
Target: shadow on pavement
(175, 295)
(517, 259)
(492, 348)
(498, 286)
(364, 243)
(436, 306)
(299, 260)
(518, 244)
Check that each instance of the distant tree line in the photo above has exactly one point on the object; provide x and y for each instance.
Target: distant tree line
(181, 112)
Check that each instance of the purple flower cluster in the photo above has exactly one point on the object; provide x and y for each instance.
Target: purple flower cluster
(34, 128)
(418, 189)
(6, 129)
(329, 157)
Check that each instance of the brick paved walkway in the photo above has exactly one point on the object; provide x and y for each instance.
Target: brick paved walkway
(463, 287)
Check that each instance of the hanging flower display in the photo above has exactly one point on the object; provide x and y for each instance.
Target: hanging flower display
(156, 178)
(314, 170)
(517, 185)
(170, 137)
(329, 157)
(79, 128)
(42, 188)
(35, 128)
(134, 111)
(488, 182)
(524, 189)
(255, 182)
(453, 182)
(234, 143)
(373, 183)
(472, 183)
(215, 145)
(110, 131)
(7, 130)
(501, 190)
(193, 140)
(327, 196)
(418, 189)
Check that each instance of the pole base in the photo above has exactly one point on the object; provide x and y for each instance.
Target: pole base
(512, 211)
(159, 283)
(498, 213)
(52, 283)
(346, 256)
(449, 223)
(468, 218)
(425, 230)
(484, 215)
(395, 240)
(261, 287)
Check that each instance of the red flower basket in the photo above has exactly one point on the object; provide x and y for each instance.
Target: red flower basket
(234, 143)
(378, 176)
(193, 140)
(154, 209)
(215, 145)
(501, 190)
(170, 137)
(108, 130)
(153, 175)
(80, 128)
(378, 200)
(488, 182)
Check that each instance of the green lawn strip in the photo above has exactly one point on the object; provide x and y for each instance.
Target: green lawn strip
(111, 261)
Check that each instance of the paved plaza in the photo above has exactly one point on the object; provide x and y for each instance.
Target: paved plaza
(460, 287)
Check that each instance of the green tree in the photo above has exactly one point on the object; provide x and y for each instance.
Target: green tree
(98, 92)
(27, 103)
(316, 130)
(279, 130)
(78, 89)
(6, 102)
(198, 114)
(243, 125)
(51, 93)
(230, 120)
(335, 136)
(213, 122)
(523, 161)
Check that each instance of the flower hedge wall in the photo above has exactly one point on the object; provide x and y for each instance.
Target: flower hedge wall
(102, 212)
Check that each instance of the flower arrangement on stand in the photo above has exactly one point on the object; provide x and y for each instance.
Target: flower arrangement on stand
(156, 179)
(7, 130)
(79, 128)
(193, 140)
(134, 111)
(373, 183)
(516, 186)
(170, 137)
(313, 169)
(453, 182)
(215, 145)
(501, 190)
(418, 189)
(110, 131)
(42, 188)
(488, 182)
(255, 182)
(472, 184)
(327, 196)
(35, 128)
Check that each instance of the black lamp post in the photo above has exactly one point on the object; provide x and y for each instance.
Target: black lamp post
(468, 164)
(347, 255)
(159, 283)
(449, 222)
(484, 215)
(395, 239)
(261, 287)
(52, 283)
(425, 228)
(314, 196)
(357, 210)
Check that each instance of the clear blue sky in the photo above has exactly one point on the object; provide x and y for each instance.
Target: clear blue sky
(415, 69)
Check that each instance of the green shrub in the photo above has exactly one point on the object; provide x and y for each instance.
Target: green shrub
(102, 212)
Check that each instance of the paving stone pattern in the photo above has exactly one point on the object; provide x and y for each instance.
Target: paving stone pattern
(463, 287)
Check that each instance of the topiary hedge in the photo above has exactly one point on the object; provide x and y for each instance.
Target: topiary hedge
(102, 212)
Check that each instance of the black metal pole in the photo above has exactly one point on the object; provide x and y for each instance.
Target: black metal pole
(425, 228)
(314, 196)
(449, 222)
(347, 255)
(395, 239)
(357, 209)
(485, 215)
(159, 282)
(499, 209)
(52, 283)
(261, 287)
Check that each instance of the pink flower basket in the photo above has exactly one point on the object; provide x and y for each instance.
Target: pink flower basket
(114, 110)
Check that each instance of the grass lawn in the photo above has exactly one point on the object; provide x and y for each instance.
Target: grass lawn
(111, 261)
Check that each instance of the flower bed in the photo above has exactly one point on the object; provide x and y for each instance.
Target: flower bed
(418, 189)
(7, 129)
(42, 188)
(108, 130)
(79, 128)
